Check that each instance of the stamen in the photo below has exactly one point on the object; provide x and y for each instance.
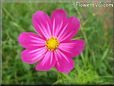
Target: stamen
(52, 44)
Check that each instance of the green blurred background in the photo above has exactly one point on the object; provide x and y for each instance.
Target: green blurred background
(93, 66)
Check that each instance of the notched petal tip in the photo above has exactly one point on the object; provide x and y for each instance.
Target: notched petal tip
(24, 57)
(46, 63)
(59, 12)
(64, 63)
(83, 43)
(37, 13)
(75, 22)
(21, 37)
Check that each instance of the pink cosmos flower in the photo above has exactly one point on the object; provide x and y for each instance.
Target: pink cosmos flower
(53, 46)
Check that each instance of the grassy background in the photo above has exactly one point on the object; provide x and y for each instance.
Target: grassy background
(93, 66)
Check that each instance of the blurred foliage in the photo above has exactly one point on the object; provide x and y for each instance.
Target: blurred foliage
(93, 66)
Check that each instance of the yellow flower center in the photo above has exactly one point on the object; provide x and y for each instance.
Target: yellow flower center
(52, 43)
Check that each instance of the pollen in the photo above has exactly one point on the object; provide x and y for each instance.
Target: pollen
(52, 44)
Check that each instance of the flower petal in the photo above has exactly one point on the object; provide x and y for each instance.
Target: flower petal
(31, 56)
(72, 48)
(59, 13)
(30, 40)
(58, 18)
(73, 25)
(63, 62)
(47, 62)
(42, 24)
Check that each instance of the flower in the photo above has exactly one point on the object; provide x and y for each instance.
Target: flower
(53, 46)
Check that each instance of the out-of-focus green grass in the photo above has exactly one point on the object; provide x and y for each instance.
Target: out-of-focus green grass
(93, 66)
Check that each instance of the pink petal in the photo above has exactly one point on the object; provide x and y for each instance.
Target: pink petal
(73, 25)
(47, 62)
(63, 62)
(31, 56)
(72, 48)
(30, 40)
(42, 24)
(59, 13)
(58, 18)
